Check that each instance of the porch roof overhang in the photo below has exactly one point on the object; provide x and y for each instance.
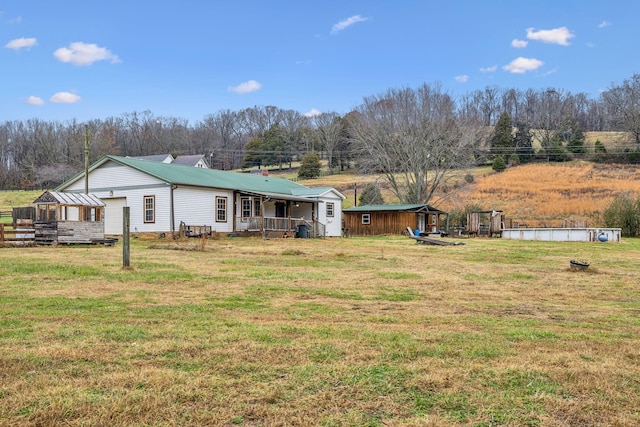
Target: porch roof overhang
(280, 196)
(69, 199)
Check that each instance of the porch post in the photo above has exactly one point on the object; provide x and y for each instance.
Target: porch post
(262, 201)
(235, 208)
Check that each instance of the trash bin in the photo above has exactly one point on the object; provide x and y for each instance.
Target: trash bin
(304, 231)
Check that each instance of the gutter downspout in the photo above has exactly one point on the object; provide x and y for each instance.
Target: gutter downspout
(172, 211)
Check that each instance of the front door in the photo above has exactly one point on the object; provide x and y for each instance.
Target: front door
(421, 222)
(281, 210)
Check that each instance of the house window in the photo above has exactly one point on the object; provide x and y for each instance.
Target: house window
(149, 209)
(246, 208)
(433, 219)
(330, 207)
(366, 219)
(221, 209)
(256, 207)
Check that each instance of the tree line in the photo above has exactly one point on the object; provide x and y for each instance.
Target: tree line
(412, 136)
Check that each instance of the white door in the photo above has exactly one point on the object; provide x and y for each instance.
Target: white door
(421, 222)
(113, 215)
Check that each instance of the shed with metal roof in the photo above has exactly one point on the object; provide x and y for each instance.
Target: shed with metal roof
(372, 220)
(69, 218)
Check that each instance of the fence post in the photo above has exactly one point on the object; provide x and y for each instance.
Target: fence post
(126, 249)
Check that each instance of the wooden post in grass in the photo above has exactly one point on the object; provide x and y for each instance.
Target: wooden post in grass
(126, 248)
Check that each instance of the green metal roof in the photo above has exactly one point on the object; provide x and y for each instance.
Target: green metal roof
(211, 178)
(395, 208)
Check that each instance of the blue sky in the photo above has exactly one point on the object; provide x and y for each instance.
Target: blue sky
(83, 60)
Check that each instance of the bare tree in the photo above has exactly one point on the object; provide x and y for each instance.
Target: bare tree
(412, 137)
(292, 124)
(259, 119)
(489, 105)
(549, 114)
(329, 128)
(221, 136)
(623, 106)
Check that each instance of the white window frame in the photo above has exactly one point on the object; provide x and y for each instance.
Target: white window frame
(330, 209)
(149, 209)
(221, 209)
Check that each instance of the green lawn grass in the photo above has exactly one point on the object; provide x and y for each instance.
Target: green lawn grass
(330, 332)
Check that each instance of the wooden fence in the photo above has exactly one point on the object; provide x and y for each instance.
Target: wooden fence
(17, 234)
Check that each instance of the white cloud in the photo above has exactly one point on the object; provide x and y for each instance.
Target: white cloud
(79, 53)
(245, 87)
(591, 45)
(35, 100)
(312, 113)
(604, 24)
(559, 36)
(21, 43)
(519, 43)
(462, 78)
(489, 69)
(522, 65)
(16, 20)
(65, 98)
(347, 23)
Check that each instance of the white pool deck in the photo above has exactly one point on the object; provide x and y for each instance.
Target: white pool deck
(599, 235)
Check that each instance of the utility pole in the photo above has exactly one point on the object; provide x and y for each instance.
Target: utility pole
(355, 194)
(86, 159)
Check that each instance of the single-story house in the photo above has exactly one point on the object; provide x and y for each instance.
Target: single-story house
(370, 220)
(163, 196)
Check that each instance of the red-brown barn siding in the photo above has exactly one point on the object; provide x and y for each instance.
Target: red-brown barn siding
(382, 222)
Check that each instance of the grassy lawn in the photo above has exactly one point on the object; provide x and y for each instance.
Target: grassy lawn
(328, 332)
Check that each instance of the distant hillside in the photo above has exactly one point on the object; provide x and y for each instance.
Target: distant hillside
(542, 194)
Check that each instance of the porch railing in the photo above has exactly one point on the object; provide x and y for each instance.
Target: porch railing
(279, 224)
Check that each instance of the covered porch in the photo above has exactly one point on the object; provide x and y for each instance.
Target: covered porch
(278, 215)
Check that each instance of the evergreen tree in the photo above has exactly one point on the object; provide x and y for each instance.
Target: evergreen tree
(371, 195)
(523, 143)
(276, 146)
(502, 141)
(499, 164)
(253, 155)
(310, 166)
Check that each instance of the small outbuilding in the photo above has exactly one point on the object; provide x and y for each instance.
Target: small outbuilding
(371, 220)
(69, 218)
(485, 223)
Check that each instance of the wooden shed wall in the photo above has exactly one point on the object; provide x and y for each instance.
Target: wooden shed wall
(68, 232)
(381, 223)
(484, 223)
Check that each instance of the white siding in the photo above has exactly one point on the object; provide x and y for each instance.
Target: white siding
(135, 201)
(334, 223)
(195, 206)
(113, 215)
(111, 176)
(114, 181)
(125, 186)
